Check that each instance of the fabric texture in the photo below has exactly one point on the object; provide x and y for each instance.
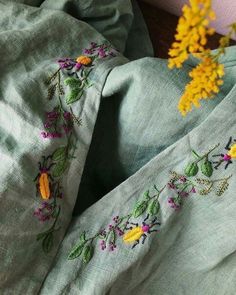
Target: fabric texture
(130, 139)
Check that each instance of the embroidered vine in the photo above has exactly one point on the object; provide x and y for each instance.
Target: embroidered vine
(60, 123)
(178, 188)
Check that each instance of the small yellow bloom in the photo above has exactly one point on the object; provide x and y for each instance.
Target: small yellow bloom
(204, 84)
(192, 31)
(232, 151)
(84, 60)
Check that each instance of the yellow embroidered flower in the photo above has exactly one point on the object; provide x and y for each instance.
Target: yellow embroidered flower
(84, 60)
(206, 79)
(232, 151)
(192, 31)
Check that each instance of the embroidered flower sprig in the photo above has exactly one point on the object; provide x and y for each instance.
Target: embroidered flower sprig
(59, 123)
(118, 227)
(182, 187)
(78, 70)
(206, 165)
(179, 187)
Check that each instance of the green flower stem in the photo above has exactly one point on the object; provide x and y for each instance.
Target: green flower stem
(56, 218)
(206, 154)
(158, 192)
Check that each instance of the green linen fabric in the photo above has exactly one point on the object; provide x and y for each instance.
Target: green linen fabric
(131, 137)
(32, 39)
(194, 251)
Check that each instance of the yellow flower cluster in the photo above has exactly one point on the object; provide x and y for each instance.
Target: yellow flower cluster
(206, 79)
(192, 31)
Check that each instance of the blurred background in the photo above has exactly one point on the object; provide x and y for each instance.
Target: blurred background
(161, 17)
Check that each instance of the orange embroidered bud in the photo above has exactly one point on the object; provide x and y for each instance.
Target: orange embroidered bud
(84, 60)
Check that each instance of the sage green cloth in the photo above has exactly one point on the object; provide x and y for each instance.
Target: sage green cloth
(131, 137)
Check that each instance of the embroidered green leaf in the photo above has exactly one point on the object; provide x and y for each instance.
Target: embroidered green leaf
(76, 251)
(72, 82)
(82, 237)
(87, 253)
(207, 168)
(222, 187)
(43, 234)
(74, 95)
(48, 243)
(154, 207)
(191, 169)
(51, 91)
(140, 208)
(203, 181)
(146, 195)
(59, 169)
(205, 191)
(59, 154)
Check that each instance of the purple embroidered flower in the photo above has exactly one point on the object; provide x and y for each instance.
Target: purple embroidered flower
(65, 63)
(67, 115)
(44, 212)
(45, 134)
(88, 51)
(103, 245)
(116, 219)
(171, 185)
(101, 53)
(93, 44)
(183, 194)
(52, 115)
(182, 188)
(112, 246)
(67, 129)
(119, 231)
(78, 66)
(174, 203)
(193, 190)
(182, 179)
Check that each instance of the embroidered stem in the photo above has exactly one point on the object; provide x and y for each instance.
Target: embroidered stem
(205, 155)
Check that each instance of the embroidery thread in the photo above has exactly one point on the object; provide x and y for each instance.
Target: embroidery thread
(59, 124)
(227, 158)
(179, 188)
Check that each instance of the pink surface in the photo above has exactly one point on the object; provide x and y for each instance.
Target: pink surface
(225, 11)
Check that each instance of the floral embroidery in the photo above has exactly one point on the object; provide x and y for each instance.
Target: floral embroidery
(181, 187)
(119, 227)
(178, 188)
(227, 158)
(206, 165)
(79, 69)
(59, 123)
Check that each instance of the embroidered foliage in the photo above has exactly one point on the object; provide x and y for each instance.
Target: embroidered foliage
(179, 187)
(59, 123)
(206, 165)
